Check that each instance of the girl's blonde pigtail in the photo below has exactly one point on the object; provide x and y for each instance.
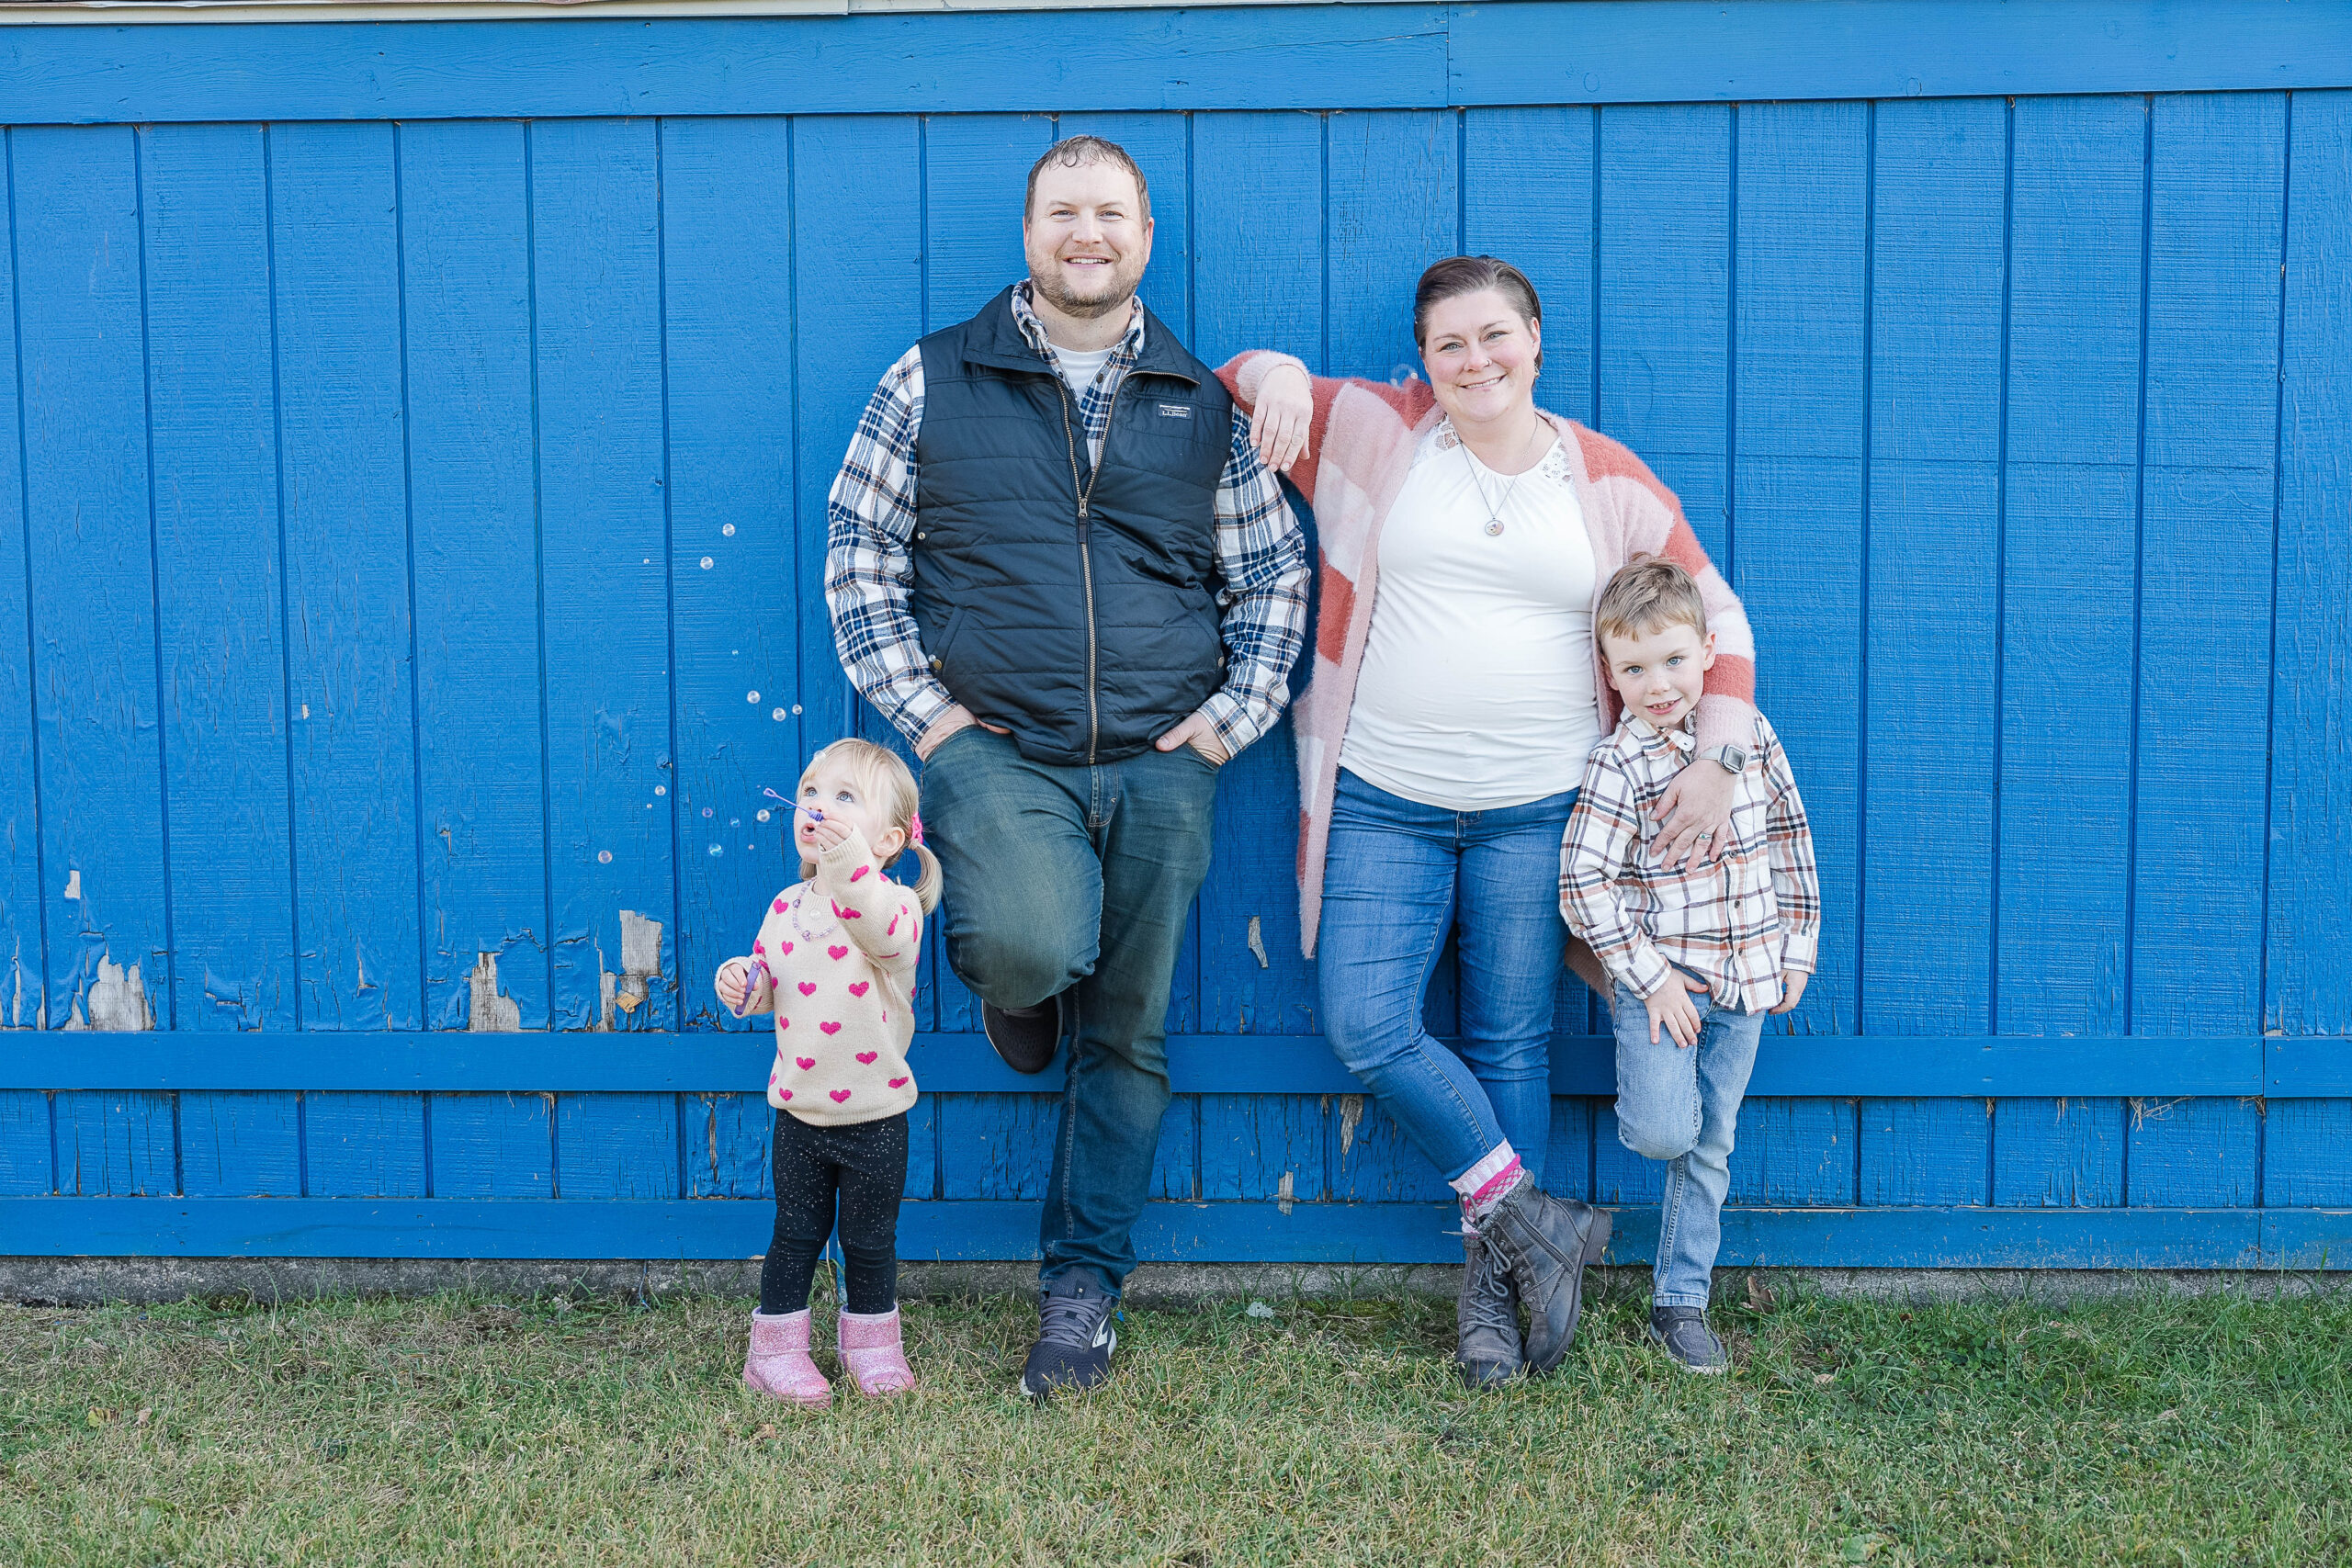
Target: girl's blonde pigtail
(927, 885)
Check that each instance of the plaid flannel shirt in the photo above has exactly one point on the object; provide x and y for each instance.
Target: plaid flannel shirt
(1737, 922)
(869, 558)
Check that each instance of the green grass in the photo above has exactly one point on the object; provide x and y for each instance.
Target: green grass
(477, 1430)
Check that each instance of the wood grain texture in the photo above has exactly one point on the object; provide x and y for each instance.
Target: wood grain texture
(1794, 548)
(2194, 1153)
(2303, 1164)
(727, 211)
(115, 1144)
(83, 438)
(2207, 545)
(343, 413)
(1265, 1146)
(1619, 1175)
(1567, 1166)
(1374, 1162)
(2070, 543)
(21, 973)
(1925, 1151)
(240, 1145)
(618, 1145)
(365, 1144)
(1794, 1152)
(494, 1145)
(597, 271)
(474, 510)
(2308, 985)
(996, 1146)
(1935, 443)
(211, 421)
(729, 1146)
(26, 1164)
(1527, 188)
(2065, 1154)
(1392, 206)
(1666, 198)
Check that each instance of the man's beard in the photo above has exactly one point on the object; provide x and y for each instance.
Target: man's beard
(1049, 288)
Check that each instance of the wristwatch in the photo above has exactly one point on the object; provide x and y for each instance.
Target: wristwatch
(1733, 759)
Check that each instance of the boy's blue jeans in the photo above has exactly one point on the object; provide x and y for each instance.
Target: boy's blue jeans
(1681, 1104)
(1398, 876)
(1077, 880)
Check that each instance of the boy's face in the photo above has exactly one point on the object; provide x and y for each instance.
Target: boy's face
(1660, 672)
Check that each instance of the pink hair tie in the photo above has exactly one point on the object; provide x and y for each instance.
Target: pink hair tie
(914, 830)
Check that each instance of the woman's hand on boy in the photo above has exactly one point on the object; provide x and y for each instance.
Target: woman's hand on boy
(1696, 814)
(1671, 1007)
(1792, 990)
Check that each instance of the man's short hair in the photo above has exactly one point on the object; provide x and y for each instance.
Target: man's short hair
(1076, 153)
(1647, 594)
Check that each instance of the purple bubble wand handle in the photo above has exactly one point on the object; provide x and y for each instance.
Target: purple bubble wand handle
(814, 815)
(756, 967)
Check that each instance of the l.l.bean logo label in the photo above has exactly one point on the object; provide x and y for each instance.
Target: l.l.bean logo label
(1175, 411)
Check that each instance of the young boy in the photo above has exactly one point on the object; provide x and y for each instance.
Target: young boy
(1699, 955)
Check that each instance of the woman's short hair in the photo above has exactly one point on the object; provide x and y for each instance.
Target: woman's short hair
(1471, 274)
(1649, 593)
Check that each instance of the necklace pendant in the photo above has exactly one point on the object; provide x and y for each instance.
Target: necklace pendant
(1495, 528)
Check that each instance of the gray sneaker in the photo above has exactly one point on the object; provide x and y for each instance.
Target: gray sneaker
(1684, 1333)
(1074, 1336)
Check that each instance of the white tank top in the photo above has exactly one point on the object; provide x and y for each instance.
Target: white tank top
(1477, 686)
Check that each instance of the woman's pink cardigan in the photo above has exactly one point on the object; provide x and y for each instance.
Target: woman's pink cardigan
(1360, 448)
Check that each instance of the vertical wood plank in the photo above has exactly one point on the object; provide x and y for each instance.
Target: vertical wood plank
(343, 412)
(1804, 180)
(1265, 1145)
(364, 1144)
(2309, 985)
(115, 1145)
(1795, 1153)
(2071, 491)
(1568, 1164)
(728, 1146)
(2303, 1164)
(240, 1145)
(1923, 1151)
(996, 1146)
(595, 225)
(618, 1145)
(2194, 1153)
(1175, 1160)
(922, 1149)
(86, 487)
(1375, 1163)
(2206, 543)
(1619, 1175)
(2061, 1154)
(25, 1149)
(1665, 296)
(21, 971)
(739, 622)
(466, 220)
(212, 423)
(1935, 447)
(976, 172)
(1392, 207)
(494, 1145)
(1527, 197)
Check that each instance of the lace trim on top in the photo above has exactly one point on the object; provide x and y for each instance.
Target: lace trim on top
(1554, 466)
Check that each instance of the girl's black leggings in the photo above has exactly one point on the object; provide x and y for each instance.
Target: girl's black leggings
(861, 1170)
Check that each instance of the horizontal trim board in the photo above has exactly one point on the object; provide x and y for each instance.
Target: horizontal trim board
(1216, 57)
(115, 13)
(1199, 1233)
(1873, 1067)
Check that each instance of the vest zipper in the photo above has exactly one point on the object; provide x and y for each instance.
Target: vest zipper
(1085, 493)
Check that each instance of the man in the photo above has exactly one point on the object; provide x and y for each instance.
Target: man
(1057, 566)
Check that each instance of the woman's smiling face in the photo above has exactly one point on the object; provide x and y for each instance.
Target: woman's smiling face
(1481, 354)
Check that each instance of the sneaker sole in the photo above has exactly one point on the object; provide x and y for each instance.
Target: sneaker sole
(1109, 1346)
(1655, 1337)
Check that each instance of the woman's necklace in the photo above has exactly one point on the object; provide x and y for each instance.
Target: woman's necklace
(1494, 506)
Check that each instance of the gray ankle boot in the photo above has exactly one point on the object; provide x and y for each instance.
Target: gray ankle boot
(1487, 1349)
(1544, 1243)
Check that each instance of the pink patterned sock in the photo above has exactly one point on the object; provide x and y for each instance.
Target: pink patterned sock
(873, 1353)
(1479, 1202)
(778, 1363)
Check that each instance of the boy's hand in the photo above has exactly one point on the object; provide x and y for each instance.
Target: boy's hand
(1671, 1006)
(1792, 990)
(1696, 811)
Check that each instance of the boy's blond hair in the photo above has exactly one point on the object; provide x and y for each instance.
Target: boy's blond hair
(888, 782)
(1649, 591)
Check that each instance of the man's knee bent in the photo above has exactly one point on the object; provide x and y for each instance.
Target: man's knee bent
(1014, 966)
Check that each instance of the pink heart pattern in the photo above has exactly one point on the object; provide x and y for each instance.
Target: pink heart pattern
(782, 1021)
(804, 1063)
(837, 953)
(830, 1028)
(865, 1058)
(840, 1095)
(861, 870)
(860, 989)
(759, 949)
(808, 987)
(788, 947)
(778, 906)
(851, 914)
(787, 1094)
(893, 929)
(897, 1083)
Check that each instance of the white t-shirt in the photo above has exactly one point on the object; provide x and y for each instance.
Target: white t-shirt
(1476, 691)
(1079, 369)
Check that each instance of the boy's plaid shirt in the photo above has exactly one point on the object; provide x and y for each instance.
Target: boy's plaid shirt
(1737, 922)
(869, 558)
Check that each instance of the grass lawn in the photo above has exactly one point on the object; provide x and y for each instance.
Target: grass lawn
(464, 1429)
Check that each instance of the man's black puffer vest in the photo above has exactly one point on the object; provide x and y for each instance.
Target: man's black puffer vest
(1078, 610)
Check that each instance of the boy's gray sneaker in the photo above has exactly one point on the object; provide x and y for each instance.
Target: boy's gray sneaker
(1074, 1336)
(1487, 1351)
(1684, 1333)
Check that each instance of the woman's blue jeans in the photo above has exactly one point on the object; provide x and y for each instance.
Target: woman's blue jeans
(1398, 876)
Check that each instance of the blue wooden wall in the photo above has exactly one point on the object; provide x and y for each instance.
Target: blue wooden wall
(411, 548)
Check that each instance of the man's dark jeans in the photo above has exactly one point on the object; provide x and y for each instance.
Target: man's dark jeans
(1077, 879)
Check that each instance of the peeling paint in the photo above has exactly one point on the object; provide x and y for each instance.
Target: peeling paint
(1285, 1192)
(1257, 944)
(640, 966)
(116, 999)
(491, 1013)
(1350, 1113)
(74, 882)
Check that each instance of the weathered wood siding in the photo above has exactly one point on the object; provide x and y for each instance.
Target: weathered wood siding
(412, 535)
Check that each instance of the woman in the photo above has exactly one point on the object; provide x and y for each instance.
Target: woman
(1465, 535)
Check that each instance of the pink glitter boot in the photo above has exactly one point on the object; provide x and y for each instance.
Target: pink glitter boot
(873, 1354)
(778, 1360)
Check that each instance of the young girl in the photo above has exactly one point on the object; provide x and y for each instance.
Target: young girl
(835, 962)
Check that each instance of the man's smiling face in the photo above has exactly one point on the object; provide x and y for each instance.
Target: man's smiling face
(1087, 238)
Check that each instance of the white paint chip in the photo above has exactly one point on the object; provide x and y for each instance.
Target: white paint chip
(74, 882)
(491, 1013)
(118, 1001)
(1257, 944)
(306, 710)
